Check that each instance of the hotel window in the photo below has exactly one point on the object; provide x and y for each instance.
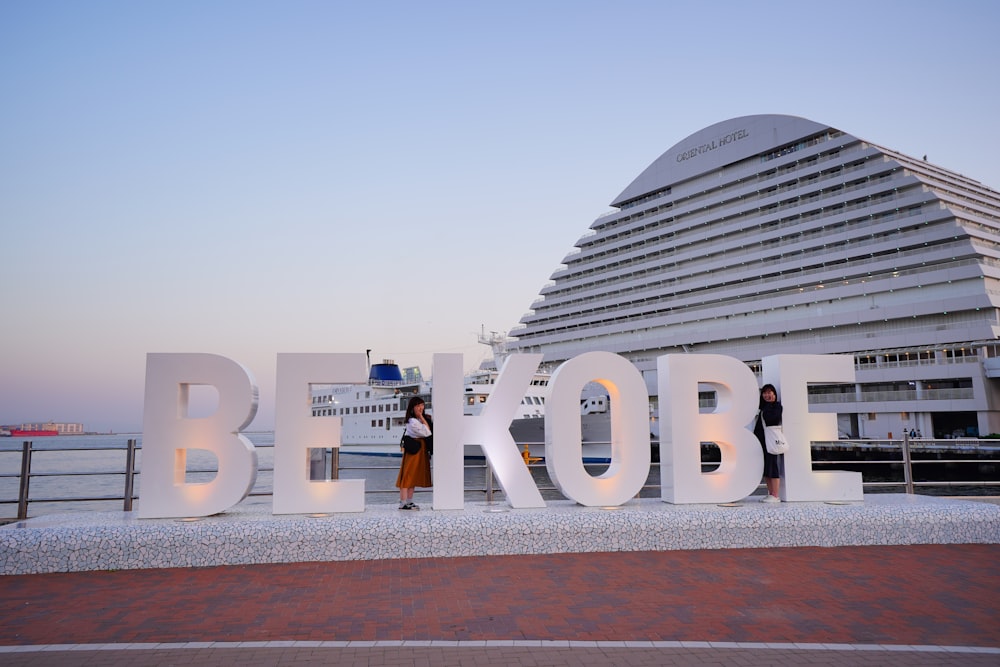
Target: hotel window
(820, 389)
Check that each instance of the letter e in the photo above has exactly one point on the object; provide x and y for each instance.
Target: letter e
(296, 431)
(790, 374)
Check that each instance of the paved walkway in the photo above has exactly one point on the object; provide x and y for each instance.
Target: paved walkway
(874, 605)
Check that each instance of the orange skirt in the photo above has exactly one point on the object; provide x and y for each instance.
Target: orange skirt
(415, 469)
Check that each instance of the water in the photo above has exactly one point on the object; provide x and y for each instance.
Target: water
(73, 467)
(50, 466)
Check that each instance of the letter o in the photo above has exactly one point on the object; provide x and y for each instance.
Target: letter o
(630, 455)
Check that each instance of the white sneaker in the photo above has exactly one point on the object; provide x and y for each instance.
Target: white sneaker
(770, 499)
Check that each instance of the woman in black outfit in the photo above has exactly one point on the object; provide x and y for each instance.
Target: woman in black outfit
(774, 464)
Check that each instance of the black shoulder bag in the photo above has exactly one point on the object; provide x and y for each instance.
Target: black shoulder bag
(410, 445)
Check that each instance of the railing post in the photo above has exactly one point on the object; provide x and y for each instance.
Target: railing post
(489, 482)
(907, 466)
(22, 494)
(129, 474)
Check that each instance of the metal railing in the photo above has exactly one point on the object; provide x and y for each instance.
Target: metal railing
(26, 474)
(324, 466)
(896, 455)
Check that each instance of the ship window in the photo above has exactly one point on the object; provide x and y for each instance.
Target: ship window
(471, 400)
(482, 399)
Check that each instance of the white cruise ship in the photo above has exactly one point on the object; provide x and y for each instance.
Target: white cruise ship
(773, 234)
(373, 414)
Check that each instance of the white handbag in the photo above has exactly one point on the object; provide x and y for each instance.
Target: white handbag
(774, 438)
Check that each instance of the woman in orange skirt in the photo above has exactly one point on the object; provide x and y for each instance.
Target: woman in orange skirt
(415, 469)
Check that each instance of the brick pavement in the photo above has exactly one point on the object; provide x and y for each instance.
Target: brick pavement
(923, 595)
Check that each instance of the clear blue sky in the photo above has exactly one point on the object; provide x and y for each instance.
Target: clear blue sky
(247, 178)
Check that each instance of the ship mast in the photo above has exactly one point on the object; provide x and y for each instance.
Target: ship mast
(498, 344)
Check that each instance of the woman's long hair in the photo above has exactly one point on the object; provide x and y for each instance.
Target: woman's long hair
(414, 402)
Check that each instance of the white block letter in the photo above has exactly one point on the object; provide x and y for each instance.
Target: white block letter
(449, 454)
(790, 373)
(296, 431)
(683, 429)
(630, 456)
(491, 430)
(168, 433)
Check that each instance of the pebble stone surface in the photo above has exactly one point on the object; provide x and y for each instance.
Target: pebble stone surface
(75, 542)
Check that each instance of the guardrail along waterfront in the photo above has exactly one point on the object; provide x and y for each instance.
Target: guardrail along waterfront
(104, 473)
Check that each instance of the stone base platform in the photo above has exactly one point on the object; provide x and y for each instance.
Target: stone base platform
(250, 534)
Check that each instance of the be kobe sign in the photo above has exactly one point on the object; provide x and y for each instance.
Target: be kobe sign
(168, 433)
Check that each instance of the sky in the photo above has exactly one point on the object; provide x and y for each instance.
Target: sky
(249, 178)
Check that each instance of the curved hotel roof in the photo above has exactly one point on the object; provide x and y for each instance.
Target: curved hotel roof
(775, 234)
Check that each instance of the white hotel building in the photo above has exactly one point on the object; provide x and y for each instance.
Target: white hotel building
(774, 234)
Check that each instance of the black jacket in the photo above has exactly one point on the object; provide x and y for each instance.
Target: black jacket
(772, 417)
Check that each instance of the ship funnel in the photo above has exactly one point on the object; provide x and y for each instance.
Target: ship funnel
(385, 372)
